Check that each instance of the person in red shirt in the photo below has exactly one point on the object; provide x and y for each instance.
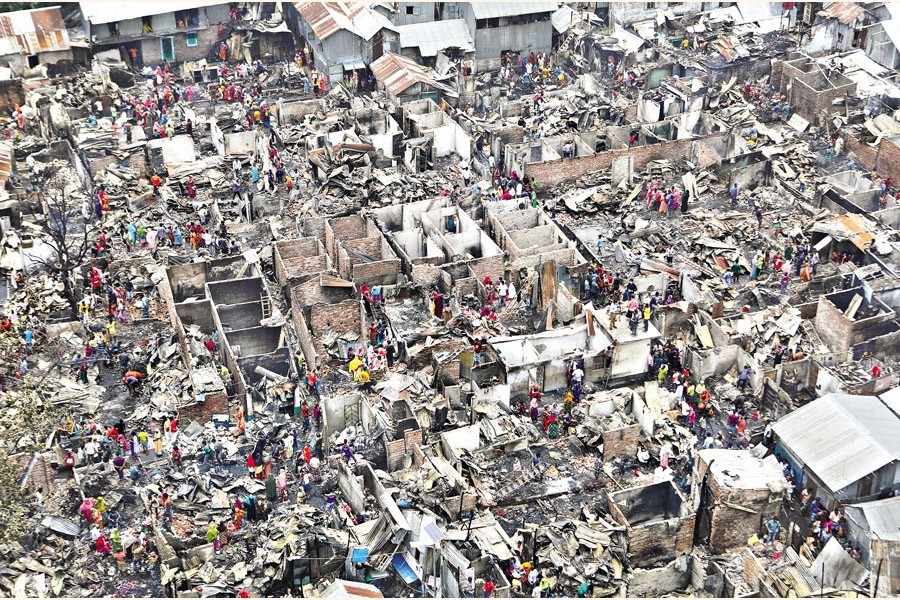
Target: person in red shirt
(70, 460)
(488, 588)
(876, 371)
(102, 545)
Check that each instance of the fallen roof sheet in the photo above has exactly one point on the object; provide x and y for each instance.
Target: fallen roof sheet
(627, 40)
(490, 10)
(397, 73)
(645, 29)
(98, 13)
(566, 18)
(327, 18)
(835, 568)
(432, 37)
(842, 438)
(33, 31)
(844, 12)
(848, 227)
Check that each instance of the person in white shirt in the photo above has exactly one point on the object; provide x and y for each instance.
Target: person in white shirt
(577, 374)
(90, 451)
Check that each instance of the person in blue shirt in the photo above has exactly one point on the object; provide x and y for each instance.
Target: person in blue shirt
(734, 194)
(773, 525)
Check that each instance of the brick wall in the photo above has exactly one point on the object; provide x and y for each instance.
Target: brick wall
(884, 158)
(202, 412)
(343, 229)
(382, 272)
(346, 260)
(151, 48)
(296, 260)
(138, 161)
(396, 454)
(42, 476)
(426, 275)
(867, 155)
(731, 527)
(832, 326)
(303, 335)
(808, 99)
(753, 570)
(621, 442)
(165, 292)
(95, 165)
(888, 164)
(660, 541)
(566, 170)
(398, 450)
(488, 265)
(343, 317)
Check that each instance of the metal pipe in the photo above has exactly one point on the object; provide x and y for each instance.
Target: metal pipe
(270, 375)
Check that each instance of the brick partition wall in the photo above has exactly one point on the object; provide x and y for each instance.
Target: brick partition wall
(866, 154)
(621, 442)
(203, 411)
(884, 158)
(810, 90)
(552, 173)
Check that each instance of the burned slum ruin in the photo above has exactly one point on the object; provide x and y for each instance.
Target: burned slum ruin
(450, 299)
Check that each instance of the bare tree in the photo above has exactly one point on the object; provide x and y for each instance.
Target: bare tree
(69, 236)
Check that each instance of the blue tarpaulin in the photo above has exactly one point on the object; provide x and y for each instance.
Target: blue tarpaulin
(403, 569)
(360, 554)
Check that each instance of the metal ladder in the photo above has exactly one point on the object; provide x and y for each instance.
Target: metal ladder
(610, 365)
(266, 305)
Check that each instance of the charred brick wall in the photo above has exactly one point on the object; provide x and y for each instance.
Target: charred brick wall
(621, 442)
(566, 170)
(203, 411)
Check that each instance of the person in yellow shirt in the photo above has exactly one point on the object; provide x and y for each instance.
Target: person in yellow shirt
(354, 366)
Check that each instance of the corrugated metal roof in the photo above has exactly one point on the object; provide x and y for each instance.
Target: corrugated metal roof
(397, 73)
(882, 517)
(842, 438)
(844, 12)
(99, 13)
(327, 18)
(490, 10)
(430, 38)
(892, 399)
(33, 31)
(848, 227)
